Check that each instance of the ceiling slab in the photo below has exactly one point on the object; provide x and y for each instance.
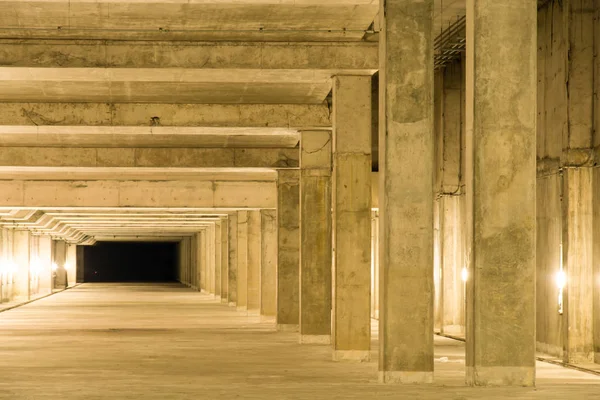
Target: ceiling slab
(159, 136)
(279, 20)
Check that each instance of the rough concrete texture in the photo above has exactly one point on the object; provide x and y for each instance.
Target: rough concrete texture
(169, 342)
(254, 262)
(501, 293)
(406, 191)
(288, 253)
(315, 237)
(242, 260)
(224, 260)
(233, 259)
(351, 214)
(268, 264)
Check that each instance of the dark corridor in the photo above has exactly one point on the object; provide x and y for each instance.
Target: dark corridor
(130, 262)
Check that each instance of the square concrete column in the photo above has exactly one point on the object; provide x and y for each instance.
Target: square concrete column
(232, 273)
(197, 259)
(315, 237)
(21, 258)
(203, 262)
(406, 191)
(59, 258)
(45, 263)
(71, 264)
(288, 250)
(242, 260)
(254, 262)
(211, 261)
(501, 90)
(352, 217)
(224, 260)
(268, 262)
(218, 258)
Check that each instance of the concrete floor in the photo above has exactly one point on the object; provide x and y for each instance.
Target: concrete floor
(131, 341)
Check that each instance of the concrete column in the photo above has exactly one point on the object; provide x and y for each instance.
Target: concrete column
(218, 259)
(203, 262)
(80, 264)
(268, 270)
(315, 237)
(500, 187)
(211, 261)
(21, 257)
(224, 260)
(406, 191)
(45, 263)
(242, 260)
(59, 259)
(71, 264)
(352, 217)
(194, 261)
(254, 262)
(232, 273)
(375, 265)
(288, 250)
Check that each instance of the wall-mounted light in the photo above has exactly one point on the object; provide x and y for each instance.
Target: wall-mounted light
(561, 282)
(464, 274)
(54, 266)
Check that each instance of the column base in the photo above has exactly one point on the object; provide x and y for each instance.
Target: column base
(242, 308)
(352, 355)
(267, 318)
(232, 304)
(315, 339)
(500, 376)
(395, 377)
(253, 313)
(224, 301)
(287, 328)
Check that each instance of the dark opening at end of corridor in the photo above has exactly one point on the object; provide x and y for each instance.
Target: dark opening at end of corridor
(130, 262)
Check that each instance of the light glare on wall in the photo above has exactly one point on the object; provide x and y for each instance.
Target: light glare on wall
(54, 266)
(561, 282)
(36, 267)
(464, 274)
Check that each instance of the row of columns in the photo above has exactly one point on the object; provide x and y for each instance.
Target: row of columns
(34, 265)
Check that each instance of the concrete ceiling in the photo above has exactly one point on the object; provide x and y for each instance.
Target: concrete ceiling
(276, 20)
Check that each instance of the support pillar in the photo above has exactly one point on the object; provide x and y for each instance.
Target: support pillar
(268, 270)
(288, 250)
(203, 262)
(352, 217)
(232, 273)
(406, 191)
(45, 263)
(254, 262)
(80, 264)
(315, 237)
(71, 264)
(59, 259)
(211, 261)
(224, 260)
(218, 259)
(242, 260)
(21, 243)
(501, 90)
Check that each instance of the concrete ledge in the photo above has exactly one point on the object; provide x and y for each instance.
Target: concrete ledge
(287, 328)
(352, 355)
(408, 377)
(315, 339)
(500, 376)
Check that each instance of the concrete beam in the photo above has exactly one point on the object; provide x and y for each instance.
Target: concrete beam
(148, 136)
(170, 54)
(174, 115)
(125, 193)
(148, 157)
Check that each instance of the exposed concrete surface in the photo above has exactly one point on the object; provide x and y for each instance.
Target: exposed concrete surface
(169, 342)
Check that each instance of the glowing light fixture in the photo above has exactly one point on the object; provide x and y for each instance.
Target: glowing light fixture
(54, 266)
(464, 274)
(561, 282)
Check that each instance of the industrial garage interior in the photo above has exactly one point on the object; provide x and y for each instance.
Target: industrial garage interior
(299, 199)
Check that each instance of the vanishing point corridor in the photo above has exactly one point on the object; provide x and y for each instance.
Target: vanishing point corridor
(167, 341)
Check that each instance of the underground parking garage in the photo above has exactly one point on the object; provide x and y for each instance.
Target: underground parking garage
(299, 199)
